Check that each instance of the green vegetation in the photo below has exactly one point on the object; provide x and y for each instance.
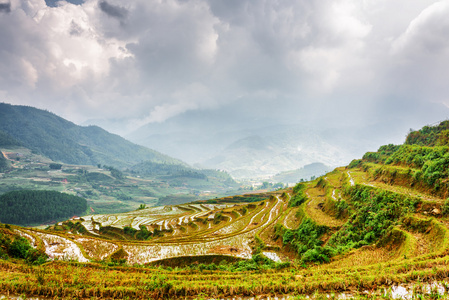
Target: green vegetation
(4, 165)
(61, 140)
(299, 196)
(306, 241)
(257, 263)
(13, 246)
(375, 211)
(34, 207)
(54, 166)
(430, 135)
(8, 141)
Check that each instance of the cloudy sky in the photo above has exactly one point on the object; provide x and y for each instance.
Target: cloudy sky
(323, 63)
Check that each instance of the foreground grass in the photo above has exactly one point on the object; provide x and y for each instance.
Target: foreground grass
(75, 280)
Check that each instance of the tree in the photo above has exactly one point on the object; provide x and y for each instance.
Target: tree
(55, 166)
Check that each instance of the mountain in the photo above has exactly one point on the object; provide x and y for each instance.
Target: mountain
(245, 153)
(257, 148)
(46, 133)
(304, 173)
(274, 151)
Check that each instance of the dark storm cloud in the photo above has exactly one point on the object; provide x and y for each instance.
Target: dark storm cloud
(114, 11)
(5, 7)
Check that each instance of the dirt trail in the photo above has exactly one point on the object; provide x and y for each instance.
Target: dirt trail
(351, 180)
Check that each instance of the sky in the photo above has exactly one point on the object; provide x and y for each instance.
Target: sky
(327, 64)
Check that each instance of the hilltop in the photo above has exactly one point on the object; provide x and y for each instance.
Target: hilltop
(371, 229)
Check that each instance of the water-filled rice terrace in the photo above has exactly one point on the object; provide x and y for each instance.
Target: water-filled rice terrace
(157, 233)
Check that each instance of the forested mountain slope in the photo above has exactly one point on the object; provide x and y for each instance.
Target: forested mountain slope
(46, 133)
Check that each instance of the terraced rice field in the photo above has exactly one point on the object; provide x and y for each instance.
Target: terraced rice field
(413, 247)
(182, 230)
(232, 229)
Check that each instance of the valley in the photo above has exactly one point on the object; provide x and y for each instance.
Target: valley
(104, 192)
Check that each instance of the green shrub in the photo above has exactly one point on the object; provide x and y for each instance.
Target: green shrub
(299, 196)
(129, 230)
(306, 240)
(318, 254)
(19, 248)
(143, 233)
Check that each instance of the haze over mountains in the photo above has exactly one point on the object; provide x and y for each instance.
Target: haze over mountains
(244, 153)
(262, 148)
(207, 141)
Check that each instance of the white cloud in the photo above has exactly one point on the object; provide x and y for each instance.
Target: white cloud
(421, 55)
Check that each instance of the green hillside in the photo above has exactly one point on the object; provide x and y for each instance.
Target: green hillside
(176, 172)
(108, 189)
(46, 133)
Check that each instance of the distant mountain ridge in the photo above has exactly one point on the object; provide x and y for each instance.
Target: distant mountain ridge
(304, 173)
(46, 133)
(251, 148)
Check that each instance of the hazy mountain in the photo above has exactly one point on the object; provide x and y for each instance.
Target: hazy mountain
(305, 173)
(272, 153)
(61, 140)
(252, 148)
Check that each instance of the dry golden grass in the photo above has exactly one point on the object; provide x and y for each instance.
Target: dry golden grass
(290, 220)
(368, 255)
(314, 211)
